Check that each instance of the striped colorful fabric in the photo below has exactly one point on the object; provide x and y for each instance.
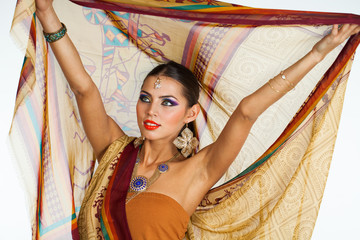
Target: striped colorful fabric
(113, 214)
(232, 50)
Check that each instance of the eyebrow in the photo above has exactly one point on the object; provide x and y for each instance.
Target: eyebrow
(165, 96)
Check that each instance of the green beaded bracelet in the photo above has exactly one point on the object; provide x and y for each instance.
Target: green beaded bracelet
(53, 37)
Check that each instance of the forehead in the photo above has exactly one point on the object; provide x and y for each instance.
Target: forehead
(168, 86)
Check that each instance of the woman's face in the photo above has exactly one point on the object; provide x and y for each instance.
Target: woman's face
(162, 112)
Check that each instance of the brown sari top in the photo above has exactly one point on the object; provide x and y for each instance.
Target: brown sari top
(153, 215)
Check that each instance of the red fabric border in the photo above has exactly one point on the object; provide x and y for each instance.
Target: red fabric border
(239, 15)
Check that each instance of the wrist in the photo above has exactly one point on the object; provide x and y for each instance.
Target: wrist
(318, 57)
(48, 19)
(44, 12)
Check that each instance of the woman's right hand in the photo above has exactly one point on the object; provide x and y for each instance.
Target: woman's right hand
(88, 98)
(47, 16)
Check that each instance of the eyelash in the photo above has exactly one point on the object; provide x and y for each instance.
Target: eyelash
(172, 103)
(166, 102)
(143, 97)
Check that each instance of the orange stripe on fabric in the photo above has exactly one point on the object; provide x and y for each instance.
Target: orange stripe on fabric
(41, 172)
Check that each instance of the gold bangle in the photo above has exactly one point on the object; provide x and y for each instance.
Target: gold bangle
(283, 77)
(275, 88)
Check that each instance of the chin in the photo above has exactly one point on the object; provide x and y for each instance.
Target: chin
(150, 135)
(153, 135)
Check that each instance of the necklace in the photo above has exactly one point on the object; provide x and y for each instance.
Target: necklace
(141, 183)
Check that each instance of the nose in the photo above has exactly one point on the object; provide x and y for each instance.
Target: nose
(152, 110)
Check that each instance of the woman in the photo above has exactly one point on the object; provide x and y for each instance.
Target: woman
(165, 106)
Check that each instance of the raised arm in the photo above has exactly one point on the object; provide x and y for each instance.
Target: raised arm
(100, 129)
(220, 154)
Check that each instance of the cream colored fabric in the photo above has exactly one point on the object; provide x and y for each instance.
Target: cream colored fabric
(281, 199)
(264, 53)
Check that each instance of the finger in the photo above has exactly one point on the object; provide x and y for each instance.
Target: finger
(344, 28)
(346, 31)
(335, 29)
(351, 29)
(355, 30)
(352, 26)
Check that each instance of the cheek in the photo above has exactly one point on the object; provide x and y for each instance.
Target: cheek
(141, 107)
(173, 117)
(137, 108)
(139, 111)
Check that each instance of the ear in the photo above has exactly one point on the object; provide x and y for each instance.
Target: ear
(192, 113)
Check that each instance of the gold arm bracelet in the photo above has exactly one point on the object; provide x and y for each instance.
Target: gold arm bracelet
(268, 82)
(283, 77)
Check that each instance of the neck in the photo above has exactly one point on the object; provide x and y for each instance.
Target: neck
(155, 152)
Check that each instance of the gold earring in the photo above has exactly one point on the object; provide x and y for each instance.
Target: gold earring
(186, 142)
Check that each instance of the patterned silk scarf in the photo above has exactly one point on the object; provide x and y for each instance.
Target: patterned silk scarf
(273, 189)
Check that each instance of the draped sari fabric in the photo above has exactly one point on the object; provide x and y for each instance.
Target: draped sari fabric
(273, 189)
(113, 210)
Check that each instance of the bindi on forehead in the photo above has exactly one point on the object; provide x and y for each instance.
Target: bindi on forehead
(157, 83)
(159, 79)
(161, 84)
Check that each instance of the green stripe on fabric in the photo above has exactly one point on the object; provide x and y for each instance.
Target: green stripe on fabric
(255, 165)
(192, 7)
(103, 229)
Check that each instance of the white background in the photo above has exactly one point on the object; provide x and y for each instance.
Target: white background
(340, 210)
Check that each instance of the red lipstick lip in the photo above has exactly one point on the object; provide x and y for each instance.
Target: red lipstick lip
(151, 127)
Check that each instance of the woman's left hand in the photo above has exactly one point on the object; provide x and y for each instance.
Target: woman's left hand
(334, 39)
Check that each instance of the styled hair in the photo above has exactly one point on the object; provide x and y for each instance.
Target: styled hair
(181, 74)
